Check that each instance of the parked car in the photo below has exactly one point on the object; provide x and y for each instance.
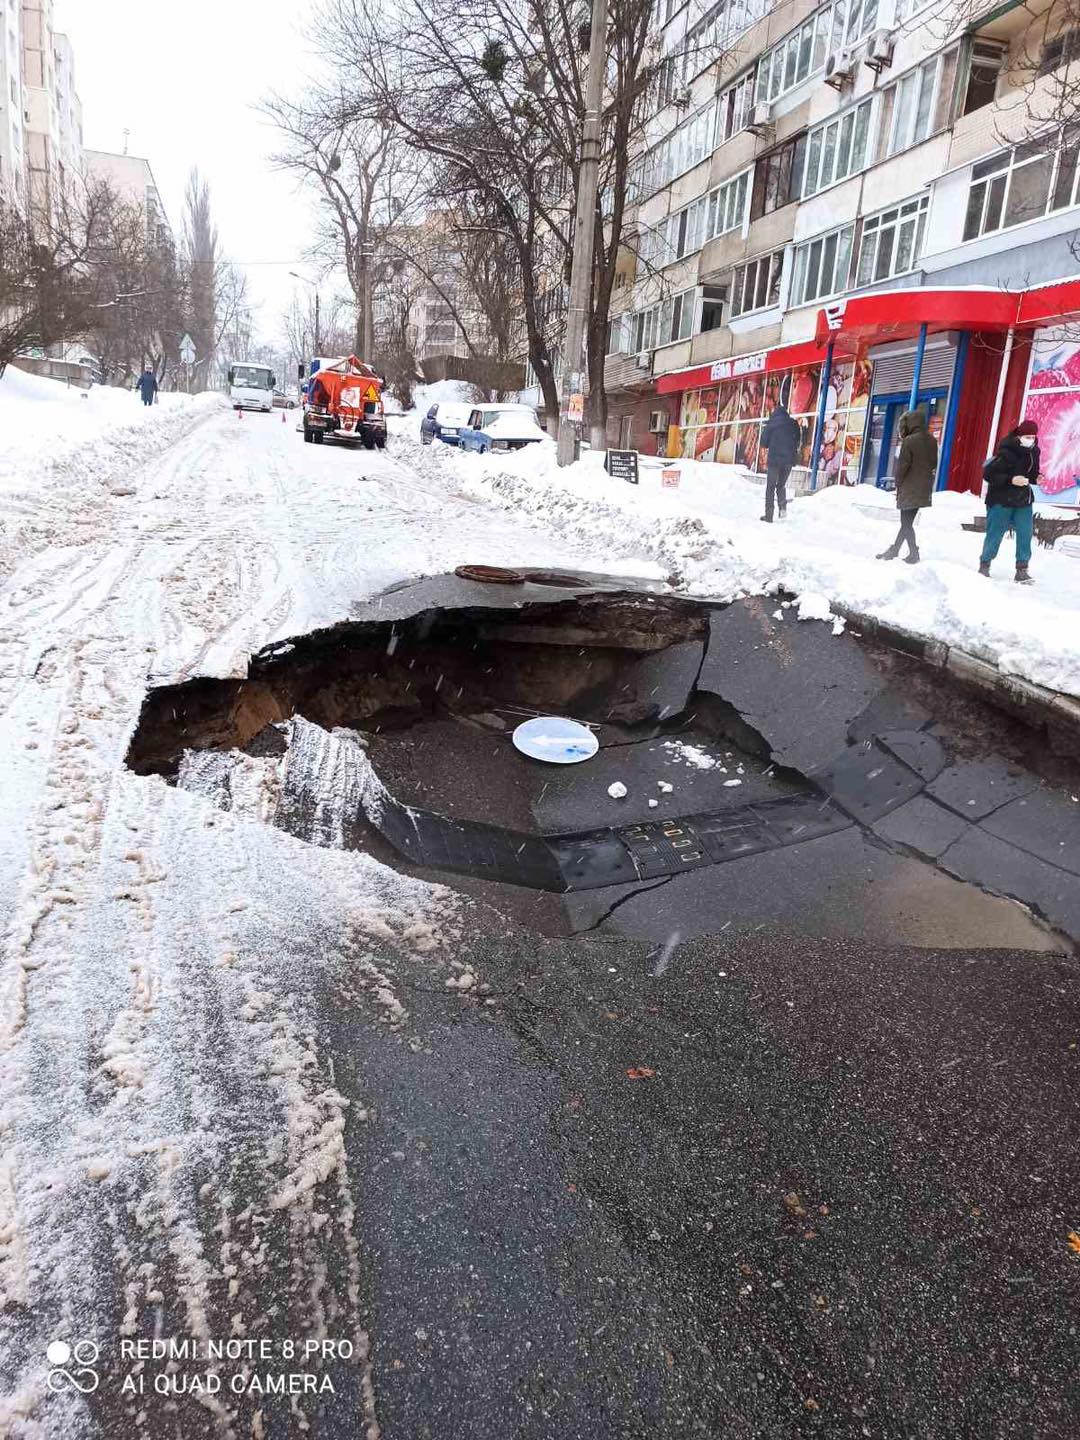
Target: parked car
(501, 427)
(443, 422)
(282, 401)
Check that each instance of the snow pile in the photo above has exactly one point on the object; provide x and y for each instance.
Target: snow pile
(707, 535)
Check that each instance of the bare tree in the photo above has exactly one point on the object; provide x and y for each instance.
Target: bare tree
(366, 181)
(201, 260)
(50, 289)
(500, 119)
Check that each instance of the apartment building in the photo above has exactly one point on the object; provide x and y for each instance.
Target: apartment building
(131, 177)
(52, 114)
(854, 206)
(12, 142)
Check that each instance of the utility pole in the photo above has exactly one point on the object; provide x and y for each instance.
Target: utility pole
(318, 325)
(368, 318)
(581, 270)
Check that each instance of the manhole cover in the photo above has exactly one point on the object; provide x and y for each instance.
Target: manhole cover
(556, 740)
(490, 574)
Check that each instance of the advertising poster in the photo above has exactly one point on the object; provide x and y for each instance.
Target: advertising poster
(1053, 402)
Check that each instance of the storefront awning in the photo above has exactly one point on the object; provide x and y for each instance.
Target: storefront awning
(899, 314)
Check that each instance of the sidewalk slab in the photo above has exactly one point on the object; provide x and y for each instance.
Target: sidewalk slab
(922, 825)
(1046, 823)
(974, 788)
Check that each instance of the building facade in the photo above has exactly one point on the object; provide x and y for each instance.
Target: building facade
(854, 206)
(131, 177)
(12, 141)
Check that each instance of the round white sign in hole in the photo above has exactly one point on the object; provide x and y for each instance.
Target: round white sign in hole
(556, 740)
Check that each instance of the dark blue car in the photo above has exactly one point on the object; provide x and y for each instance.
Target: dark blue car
(444, 421)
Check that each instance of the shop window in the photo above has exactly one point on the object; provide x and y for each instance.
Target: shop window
(821, 266)
(985, 64)
(756, 285)
(1021, 184)
(712, 307)
(891, 241)
(838, 148)
(778, 178)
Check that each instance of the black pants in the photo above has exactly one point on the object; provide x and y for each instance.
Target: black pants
(776, 479)
(148, 399)
(906, 532)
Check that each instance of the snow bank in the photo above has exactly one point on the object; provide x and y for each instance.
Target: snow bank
(706, 534)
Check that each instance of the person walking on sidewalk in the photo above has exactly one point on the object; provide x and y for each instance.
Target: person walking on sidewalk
(780, 436)
(916, 467)
(1009, 476)
(147, 386)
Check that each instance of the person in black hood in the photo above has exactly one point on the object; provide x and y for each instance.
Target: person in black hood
(1009, 476)
(780, 436)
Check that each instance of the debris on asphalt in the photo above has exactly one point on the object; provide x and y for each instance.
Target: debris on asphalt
(617, 790)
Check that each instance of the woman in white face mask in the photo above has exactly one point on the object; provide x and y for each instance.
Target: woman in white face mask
(1009, 476)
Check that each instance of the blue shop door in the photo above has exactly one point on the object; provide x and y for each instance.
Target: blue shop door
(883, 433)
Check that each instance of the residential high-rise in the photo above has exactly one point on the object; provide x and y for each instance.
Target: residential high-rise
(855, 206)
(12, 143)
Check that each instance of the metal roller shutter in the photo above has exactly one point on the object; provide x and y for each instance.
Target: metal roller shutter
(893, 373)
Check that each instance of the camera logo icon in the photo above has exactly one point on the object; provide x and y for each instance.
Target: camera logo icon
(82, 1357)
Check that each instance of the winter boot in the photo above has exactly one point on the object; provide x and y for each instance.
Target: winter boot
(912, 557)
(890, 554)
(767, 519)
(1022, 576)
(984, 567)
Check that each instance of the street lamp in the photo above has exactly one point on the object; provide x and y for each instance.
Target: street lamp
(315, 287)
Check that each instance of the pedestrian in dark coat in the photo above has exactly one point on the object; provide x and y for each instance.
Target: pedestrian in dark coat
(147, 386)
(916, 467)
(780, 436)
(1009, 476)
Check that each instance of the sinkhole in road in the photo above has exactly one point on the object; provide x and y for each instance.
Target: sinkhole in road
(726, 731)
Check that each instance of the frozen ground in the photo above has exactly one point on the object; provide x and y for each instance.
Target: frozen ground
(707, 532)
(165, 1102)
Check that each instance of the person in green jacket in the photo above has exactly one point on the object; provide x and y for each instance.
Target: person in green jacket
(916, 467)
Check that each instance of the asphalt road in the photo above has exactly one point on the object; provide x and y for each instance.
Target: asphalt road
(789, 1187)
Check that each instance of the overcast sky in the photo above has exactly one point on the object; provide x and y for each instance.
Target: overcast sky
(183, 76)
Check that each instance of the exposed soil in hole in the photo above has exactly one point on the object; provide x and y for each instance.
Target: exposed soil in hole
(571, 655)
(393, 737)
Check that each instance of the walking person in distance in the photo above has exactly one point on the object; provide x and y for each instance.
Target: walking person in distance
(780, 436)
(1009, 476)
(147, 386)
(916, 466)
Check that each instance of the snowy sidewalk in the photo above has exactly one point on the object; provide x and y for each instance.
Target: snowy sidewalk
(707, 534)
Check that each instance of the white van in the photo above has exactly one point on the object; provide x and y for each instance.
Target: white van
(251, 387)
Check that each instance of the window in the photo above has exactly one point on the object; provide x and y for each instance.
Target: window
(712, 307)
(756, 285)
(726, 20)
(643, 329)
(821, 266)
(909, 108)
(862, 18)
(778, 178)
(838, 148)
(1062, 50)
(985, 63)
(618, 332)
(684, 148)
(891, 241)
(1021, 184)
(677, 317)
(733, 109)
(727, 205)
(802, 52)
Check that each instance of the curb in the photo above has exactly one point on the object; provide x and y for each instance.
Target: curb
(1033, 704)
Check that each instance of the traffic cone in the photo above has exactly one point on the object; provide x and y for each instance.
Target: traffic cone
(283, 420)
(239, 412)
